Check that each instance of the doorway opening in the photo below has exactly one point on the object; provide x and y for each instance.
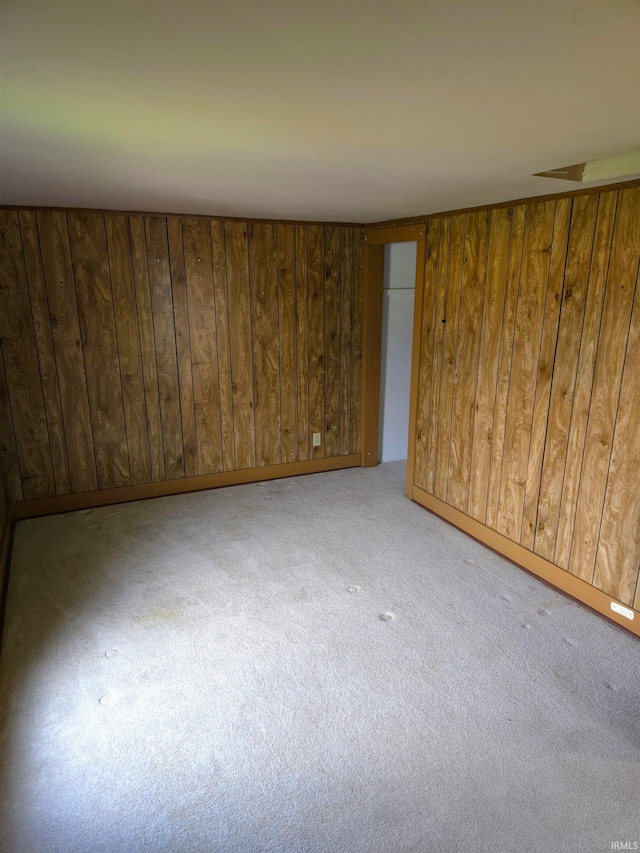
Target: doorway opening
(398, 297)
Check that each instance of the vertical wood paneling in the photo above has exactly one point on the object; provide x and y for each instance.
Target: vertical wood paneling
(165, 338)
(204, 353)
(449, 351)
(488, 361)
(128, 335)
(17, 338)
(44, 345)
(63, 315)
(265, 339)
(345, 340)
(616, 569)
(237, 268)
(8, 442)
(100, 347)
(524, 368)
(584, 377)
(183, 344)
(576, 277)
(146, 348)
(429, 305)
(302, 340)
(332, 346)
(555, 455)
(436, 372)
(147, 345)
(545, 370)
(356, 338)
(315, 309)
(514, 266)
(224, 344)
(286, 271)
(466, 364)
(616, 316)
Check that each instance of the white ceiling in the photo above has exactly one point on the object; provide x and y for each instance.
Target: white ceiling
(348, 111)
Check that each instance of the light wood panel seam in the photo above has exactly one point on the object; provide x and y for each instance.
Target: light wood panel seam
(81, 335)
(584, 314)
(495, 401)
(433, 344)
(175, 347)
(53, 350)
(277, 288)
(615, 421)
(593, 378)
(139, 336)
(117, 337)
(543, 317)
(33, 325)
(484, 305)
(12, 418)
(445, 285)
(513, 340)
(249, 233)
(555, 352)
(226, 286)
(153, 336)
(455, 366)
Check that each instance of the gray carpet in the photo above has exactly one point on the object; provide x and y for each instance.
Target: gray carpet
(313, 664)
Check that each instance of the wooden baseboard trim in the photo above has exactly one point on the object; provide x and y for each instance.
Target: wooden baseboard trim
(533, 563)
(104, 497)
(5, 558)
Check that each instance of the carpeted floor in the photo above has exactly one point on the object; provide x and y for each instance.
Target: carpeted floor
(313, 665)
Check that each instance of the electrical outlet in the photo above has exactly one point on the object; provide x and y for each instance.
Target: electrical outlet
(317, 439)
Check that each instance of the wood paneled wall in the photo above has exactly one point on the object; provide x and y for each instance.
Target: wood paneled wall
(529, 391)
(138, 349)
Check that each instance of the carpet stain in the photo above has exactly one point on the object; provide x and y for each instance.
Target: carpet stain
(159, 616)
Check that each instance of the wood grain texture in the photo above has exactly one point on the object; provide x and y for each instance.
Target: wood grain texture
(488, 361)
(97, 326)
(576, 277)
(584, 377)
(356, 338)
(616, 568)
(332, 343)
(449, 353)
(69, 356)
(436, 372)
(183, 344)
(18, 343)
(614, 331)
(472, 297)
(44, 345)
(204, 352)
(237, 269)
(546, 365)
(426, 330)
(142, 348)
(8, 451)
(514, 265)
(128, 335)
(223, 340)
(302, 342)
(286, 272)
(524, 367)
(165, 340)
(147, 345)
(555, 451)
(346, 295)
(265, 340)
(315, 313)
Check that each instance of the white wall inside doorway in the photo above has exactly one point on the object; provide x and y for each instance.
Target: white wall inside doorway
(395, 368)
